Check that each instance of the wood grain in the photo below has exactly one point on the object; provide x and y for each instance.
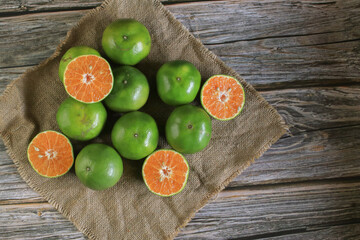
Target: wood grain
(315, 155)
(35, 221)
(270, 211)
(17, 7)
(322, 50)
(28, 6)
(245, 213)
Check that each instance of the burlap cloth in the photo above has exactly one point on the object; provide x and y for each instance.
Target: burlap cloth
(129, 210)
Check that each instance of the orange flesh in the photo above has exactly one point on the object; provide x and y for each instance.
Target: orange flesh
(223, 97)
(165, 172)
(50, 154)
(88, 78)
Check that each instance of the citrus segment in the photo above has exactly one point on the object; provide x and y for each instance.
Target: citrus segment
(222, 97)
(50, 154)
(165, 172)
(88, 78)
(73, 53)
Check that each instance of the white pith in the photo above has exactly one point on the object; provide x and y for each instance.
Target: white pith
(162, 171)
(50, 154)
(87, 76)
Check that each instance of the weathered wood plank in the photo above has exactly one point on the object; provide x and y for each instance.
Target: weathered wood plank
(310, 109)
(348, 231)
(324, 143)
(322, 154)
(277, 210)
(13, 189)
(35, 221)
(317, 44)
(30, 6)
(9, 74)
(249, 213)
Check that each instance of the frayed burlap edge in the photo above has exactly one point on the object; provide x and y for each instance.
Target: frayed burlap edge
(205, 51)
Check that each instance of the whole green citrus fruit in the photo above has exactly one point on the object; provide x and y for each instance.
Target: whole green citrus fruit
(81, 121)
(126, 41)
(188, 129)
(178, 82)
(135, 135)
(73, 53)
(130, 91)
(98, 166)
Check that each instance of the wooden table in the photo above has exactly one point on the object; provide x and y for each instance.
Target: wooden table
(303, 56)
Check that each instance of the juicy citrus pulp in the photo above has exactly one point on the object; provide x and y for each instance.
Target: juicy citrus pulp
(88, 78)
(50, 154)
(165, 172)
(222, 97)
(73, 53)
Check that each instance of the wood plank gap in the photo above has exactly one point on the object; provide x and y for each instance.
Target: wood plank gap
(166, 3)
(322, 44)
(264, 186)
(34, 13)
(299, 230)
(26, 12)
(10, 67)
(275, 37)
(25, 204)
(272, 234)
(302, 85)
(319, 129)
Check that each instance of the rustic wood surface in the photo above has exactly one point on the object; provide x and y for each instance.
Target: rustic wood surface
(303, 56)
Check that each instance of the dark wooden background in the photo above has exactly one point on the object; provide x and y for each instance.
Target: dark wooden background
(303, 56)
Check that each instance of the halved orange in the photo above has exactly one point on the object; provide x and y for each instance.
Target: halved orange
(165, 172)
(88, 78)
(50, 154)
(223, 97)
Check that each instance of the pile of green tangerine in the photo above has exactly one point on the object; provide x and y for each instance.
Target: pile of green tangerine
(90, 81)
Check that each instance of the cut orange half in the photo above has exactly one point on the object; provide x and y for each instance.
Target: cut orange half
(88, 78)
(165, 172)
(50, 154)
(222, 97)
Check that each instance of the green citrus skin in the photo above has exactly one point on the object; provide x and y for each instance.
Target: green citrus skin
(98, 166)
(71, 54)
(188, 129)
(81, 121)
(126, 41)
(135, 135)
(130, 91)
(178, 82)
